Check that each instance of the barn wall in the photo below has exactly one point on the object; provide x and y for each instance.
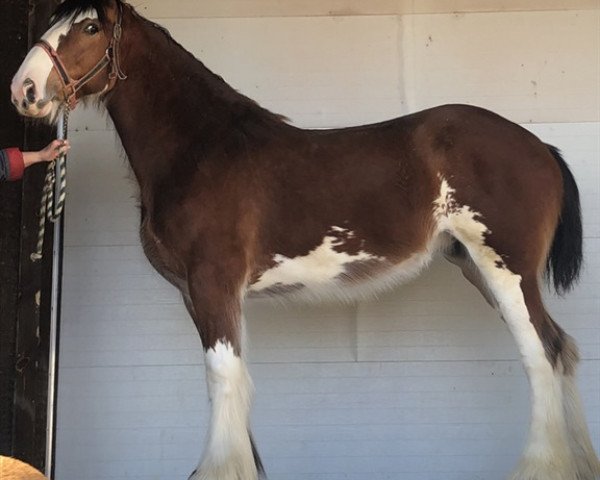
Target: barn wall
(327, 8)
(424, 384)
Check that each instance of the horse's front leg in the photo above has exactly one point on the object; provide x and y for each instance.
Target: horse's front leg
(215, 303)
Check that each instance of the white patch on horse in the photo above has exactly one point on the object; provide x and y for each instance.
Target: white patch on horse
(325, 274)
(318, 267)
(461, 219)
(345, 231)
(228, 453)
(37, 65)
(547, 454)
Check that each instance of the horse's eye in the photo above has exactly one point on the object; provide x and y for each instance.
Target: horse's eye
(91, 29)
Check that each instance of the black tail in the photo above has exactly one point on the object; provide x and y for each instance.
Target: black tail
(566, 257)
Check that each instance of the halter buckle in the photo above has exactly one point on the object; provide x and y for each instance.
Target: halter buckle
(117, 31)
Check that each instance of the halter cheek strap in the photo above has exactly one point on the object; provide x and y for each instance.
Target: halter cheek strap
(111, 57)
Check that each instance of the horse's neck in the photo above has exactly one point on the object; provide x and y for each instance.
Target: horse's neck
(169, 101)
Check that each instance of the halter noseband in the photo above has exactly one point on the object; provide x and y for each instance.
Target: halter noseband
(111, 57)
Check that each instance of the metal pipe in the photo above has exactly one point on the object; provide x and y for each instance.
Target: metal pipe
(54, 310)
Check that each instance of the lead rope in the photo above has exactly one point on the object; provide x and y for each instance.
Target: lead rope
(53, 199)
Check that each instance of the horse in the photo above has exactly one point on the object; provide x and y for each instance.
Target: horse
(237, 203)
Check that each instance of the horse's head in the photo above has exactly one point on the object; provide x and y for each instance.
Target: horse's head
(77, 57)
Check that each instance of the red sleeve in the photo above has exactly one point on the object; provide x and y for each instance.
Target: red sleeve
(16, 163)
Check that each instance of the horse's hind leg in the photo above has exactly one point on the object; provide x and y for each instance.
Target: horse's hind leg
(554, 450)
(458, 255)
(214, 302)
(547, 455)
(561, 351)
(559, 348)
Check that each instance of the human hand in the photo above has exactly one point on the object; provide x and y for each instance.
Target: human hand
(54, 150)
(51, 152)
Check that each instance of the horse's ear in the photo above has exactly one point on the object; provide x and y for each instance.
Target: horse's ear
(111, 9)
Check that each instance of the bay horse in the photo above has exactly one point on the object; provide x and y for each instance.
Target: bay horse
(236, 202)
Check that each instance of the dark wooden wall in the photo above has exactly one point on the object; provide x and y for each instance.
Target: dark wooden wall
(24, 285)
(14, 25)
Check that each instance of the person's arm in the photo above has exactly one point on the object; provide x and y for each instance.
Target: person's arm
(13, 162)
(29, 158)
(51, 152)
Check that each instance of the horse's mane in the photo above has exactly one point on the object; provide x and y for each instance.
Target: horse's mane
(224, 86)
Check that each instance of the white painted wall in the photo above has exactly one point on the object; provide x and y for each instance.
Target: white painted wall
(424, 384)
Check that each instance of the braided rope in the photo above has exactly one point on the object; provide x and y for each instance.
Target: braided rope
(53, 199)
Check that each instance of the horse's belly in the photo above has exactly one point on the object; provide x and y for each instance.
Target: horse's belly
(328, 273)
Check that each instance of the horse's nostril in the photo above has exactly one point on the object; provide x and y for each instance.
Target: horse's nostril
(30, 94)
(24, 104)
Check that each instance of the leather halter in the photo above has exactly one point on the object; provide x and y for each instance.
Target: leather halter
(110, 58)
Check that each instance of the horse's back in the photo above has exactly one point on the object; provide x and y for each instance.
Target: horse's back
(368, 206)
